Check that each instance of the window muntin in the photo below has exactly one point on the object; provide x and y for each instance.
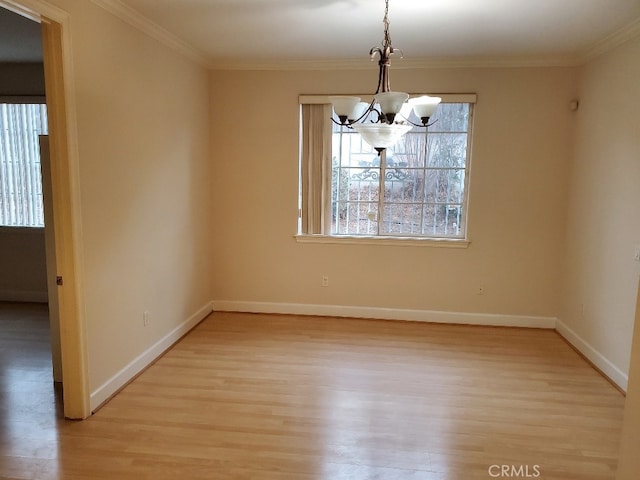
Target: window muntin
(423, 180)
(21, 203)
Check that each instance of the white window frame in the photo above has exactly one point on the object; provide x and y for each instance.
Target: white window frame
(306, 234)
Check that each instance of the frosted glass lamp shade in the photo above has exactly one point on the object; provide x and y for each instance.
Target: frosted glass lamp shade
(344, 106)
(381, 135)
(391, 103)
(425, 106)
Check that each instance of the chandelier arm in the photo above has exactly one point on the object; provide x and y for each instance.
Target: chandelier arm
(373, 51)
(426, 125)
(367, 111)
(380, 118)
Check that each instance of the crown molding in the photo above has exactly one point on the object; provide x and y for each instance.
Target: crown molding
(400, 64)
(155, 31)
(608, 43)
(35, 10)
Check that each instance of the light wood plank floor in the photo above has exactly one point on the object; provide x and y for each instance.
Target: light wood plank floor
(266, 397)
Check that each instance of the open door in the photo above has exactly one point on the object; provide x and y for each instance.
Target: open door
(66, 212)
(50, 248)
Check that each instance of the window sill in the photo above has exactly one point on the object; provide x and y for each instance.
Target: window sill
(398, 241)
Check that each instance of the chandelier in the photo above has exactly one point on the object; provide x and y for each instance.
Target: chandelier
(382, 122)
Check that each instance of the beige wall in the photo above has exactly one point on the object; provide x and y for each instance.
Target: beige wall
(142, 117)
(603, 227)
(521, 147)
(23, 276)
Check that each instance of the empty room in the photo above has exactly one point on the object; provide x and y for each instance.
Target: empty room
(319, 239)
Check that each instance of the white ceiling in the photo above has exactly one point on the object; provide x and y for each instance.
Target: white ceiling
(245, 32)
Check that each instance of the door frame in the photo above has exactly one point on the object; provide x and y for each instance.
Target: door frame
(65, 183)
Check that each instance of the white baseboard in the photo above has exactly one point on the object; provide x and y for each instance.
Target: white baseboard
(27, 296)
(387, 314)
(601, 362)
(142, 361)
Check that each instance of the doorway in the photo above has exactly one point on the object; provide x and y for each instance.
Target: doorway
(29, 326)
(65, 204)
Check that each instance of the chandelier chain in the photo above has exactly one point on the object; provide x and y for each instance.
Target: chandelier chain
(385, 21)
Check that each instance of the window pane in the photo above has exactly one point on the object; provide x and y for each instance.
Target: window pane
(20, 176)
(410, 151)
(455, 186)
(401, 219)
(447, 150)
(450, 117)
(445, 186)
(423, 174)
(356, 218)
(404, 186)
(443, 220)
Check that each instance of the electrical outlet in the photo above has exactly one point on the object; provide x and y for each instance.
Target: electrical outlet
(325, 281)
(145, 318)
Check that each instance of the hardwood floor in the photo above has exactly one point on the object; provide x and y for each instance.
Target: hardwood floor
(266, 397)
(30, 406)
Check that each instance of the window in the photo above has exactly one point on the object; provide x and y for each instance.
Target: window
(20, 175)
(416, 189)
